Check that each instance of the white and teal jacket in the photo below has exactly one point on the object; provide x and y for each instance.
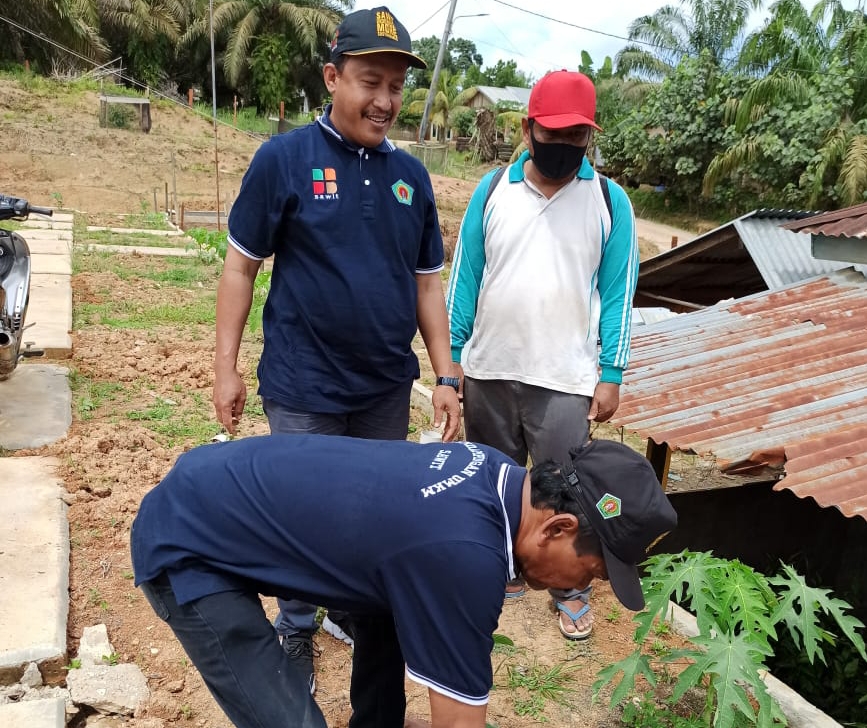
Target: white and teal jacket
(537, 283)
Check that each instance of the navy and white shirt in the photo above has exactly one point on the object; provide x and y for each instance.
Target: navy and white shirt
(421, 532)
(349, 229)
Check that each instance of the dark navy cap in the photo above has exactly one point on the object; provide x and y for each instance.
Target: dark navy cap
(624, 502)
(373, 31)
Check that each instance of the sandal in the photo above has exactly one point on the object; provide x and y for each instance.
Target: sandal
(519, 592)
(578, 634)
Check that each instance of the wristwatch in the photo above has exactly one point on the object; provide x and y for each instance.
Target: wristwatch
(453, 382)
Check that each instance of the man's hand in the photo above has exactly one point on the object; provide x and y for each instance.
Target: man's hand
(445, 401)
(230, 396)
(606, 400)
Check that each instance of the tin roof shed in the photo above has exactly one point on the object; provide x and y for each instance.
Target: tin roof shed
(774, 383)
(741, 258)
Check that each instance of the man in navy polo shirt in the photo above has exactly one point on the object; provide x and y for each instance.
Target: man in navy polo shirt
(417, 542)
(351, 223)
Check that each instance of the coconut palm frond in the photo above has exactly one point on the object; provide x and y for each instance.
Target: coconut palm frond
(743, 153)
(853, 171)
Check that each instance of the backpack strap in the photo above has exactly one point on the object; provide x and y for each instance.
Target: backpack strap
(495, 180)
(606, 193)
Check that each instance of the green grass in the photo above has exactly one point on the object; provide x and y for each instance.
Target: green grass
(107, 237)
(176, 423)
(132, 315)
(89, 395)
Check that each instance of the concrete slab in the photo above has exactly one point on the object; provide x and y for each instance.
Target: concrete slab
(53, 243)
(45, 713)
(50, 313)
(57, 263)
(39, 234)
(146, 250)
(34, 566)
(47, 223)
(35, 408)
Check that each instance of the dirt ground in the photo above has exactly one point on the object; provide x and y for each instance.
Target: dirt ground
(142, 391)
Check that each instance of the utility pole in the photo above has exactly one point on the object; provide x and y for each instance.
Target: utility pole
(422, 130)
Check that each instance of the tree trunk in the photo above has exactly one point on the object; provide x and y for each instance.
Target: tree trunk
(487, 126)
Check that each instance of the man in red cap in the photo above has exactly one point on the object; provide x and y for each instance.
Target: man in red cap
(544, 272)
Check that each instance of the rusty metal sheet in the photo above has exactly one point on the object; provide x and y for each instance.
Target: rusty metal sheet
(752, 380)
(850, 222)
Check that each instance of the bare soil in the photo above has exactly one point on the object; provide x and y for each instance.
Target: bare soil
(142, 389)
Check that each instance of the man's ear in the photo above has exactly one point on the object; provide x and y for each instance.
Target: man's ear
(560, 525)
(525, 130)
(329, 75)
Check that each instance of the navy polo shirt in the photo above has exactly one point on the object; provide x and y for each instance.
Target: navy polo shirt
(423, 532)
(349, 229)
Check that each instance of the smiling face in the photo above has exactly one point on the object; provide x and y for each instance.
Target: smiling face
(367, 94)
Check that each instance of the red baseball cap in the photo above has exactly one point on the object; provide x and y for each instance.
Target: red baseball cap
(563, 98)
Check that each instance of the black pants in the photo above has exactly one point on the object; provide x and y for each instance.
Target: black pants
(233, 645)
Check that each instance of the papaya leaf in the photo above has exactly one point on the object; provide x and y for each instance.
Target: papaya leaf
(732, 661)
(631, 666)
(799, 608)
(745, 601)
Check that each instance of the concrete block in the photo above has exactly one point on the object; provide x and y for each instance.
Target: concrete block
(35, 406)
(34, 565)
(46, 713)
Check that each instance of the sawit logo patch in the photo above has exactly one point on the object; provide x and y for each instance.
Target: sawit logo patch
(324, 184)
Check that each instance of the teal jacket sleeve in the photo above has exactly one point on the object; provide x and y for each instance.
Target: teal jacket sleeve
(468, 265)
(618, 275)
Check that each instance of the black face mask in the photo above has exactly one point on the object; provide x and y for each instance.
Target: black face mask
(556, 160)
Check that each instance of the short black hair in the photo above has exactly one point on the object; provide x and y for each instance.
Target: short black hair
(549, 489)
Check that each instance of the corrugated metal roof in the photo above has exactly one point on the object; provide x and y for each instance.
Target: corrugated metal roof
(513, 94)
(745, 256)
(850, 222)
(754, 381)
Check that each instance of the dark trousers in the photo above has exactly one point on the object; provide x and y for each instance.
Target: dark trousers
(387, 420)
(522, 420)
(232, 644)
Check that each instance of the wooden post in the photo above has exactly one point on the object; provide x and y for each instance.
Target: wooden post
(281, 109)
(27, 65)
(156, 209)
(673, 241)
(181, 218)
(190, 98)
(235, 111)
(167, 198)
(174, 188)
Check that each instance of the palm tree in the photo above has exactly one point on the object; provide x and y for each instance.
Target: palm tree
(41, 30)
(449, 100)
(804, 50)
(307, 25)
(146, 32)
(661, 40)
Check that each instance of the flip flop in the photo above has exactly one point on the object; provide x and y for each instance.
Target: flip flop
(516, 594)
(578, 634)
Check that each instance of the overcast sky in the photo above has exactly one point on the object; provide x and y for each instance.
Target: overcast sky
(539, 38)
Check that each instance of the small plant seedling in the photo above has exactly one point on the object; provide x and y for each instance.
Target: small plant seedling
(112, 659)
(127, 574)
(613, 614)
(187, 711)
(74, 664)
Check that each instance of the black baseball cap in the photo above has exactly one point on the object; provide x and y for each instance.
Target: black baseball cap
(373, 31)
(624, 502)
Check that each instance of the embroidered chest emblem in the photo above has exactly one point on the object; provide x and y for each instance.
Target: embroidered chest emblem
(402, 192)
(324, 183)
(609, 506)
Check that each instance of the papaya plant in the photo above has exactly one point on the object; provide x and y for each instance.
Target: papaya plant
(738, 612)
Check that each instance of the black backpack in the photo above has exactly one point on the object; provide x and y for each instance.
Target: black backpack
(603, 184)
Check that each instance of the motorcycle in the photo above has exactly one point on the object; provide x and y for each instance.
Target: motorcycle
(14, 285)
